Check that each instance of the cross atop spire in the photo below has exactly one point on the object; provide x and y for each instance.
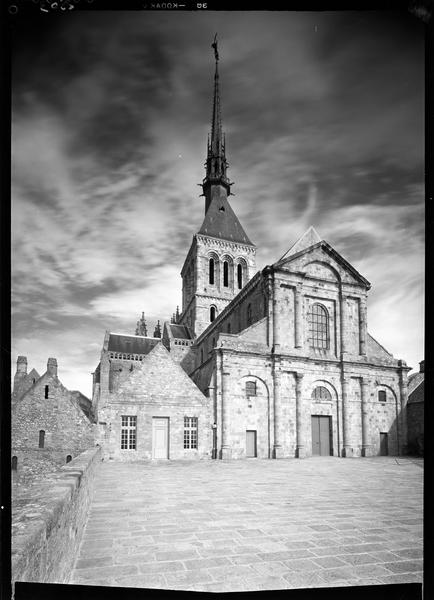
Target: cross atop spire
(216, 164)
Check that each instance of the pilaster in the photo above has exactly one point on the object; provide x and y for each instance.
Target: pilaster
(277, 448)
(225, 449)
(364, 390)
(347, 448)
(362, 325)
(298, 317)
(300, 437)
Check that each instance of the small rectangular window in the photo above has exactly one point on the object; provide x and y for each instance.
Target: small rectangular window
(250, 388)
(128, 432)
(190, 433)
(382, 395)
(46, 391)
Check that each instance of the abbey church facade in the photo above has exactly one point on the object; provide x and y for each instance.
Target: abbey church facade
(275, 363)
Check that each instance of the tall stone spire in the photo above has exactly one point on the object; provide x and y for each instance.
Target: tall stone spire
(216, 182)
(141, 326)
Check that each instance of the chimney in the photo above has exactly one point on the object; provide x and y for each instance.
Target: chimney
(52, 367)
(422, 366)
(22, 365)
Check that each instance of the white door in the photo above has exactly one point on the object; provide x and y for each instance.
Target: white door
(160, 437)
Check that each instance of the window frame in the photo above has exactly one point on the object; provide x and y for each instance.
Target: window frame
(319, 327)
(383, 394)
(191, 433)
(128, 432)
(252, 385)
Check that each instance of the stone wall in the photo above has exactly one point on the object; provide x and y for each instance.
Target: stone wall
(159, 387)
(48, 521)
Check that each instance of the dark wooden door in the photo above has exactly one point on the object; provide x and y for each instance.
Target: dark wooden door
(251, 443)
(321, 428)
(384, 444)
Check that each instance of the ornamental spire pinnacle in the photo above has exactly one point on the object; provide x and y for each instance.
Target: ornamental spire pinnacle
(216, 165)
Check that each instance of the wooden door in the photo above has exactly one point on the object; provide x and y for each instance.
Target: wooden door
(160, 437)
(384, 444)
(251, 443)
(321, 432)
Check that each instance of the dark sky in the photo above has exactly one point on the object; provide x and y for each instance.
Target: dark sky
(324, 121)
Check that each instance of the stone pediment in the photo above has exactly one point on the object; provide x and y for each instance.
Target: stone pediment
(317, 259)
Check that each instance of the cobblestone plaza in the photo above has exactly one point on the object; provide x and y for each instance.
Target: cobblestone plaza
(254, 525)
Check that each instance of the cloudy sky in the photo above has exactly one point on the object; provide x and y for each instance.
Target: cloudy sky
(324, 121)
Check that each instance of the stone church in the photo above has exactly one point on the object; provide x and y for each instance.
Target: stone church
(275, 363)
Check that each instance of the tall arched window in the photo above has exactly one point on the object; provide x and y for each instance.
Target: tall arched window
(225, 274)
(41, 438)
(240, 275)
(318, 327)
(321, 393)
(212, 312)
(14, 463)
(46, 391)
(211, 271)
(249, 314)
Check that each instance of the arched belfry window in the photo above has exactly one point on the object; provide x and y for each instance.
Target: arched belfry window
(212, 313)
(226, 274)
(318, 320)
(211, 271)
(41, 438)
(240, 276)
(321, 393)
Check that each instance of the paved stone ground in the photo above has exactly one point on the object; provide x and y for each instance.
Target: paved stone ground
(254, 524)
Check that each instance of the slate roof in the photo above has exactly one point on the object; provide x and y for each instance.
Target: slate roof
(221, 222)
(180, 332)
(131, 344)
(418, 394)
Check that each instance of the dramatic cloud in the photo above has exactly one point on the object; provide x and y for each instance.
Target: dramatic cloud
(323, 114)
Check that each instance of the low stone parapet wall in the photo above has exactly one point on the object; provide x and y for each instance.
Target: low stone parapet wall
(48, 521)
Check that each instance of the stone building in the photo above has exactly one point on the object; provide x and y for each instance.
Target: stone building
(282, 356)
(148, 407)
(415, 410)
(50, 424)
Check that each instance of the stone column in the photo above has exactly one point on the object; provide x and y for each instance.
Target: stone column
(226, 450)
(403, 393)
(362, 325)
(344, 323)
(300, 437)
(298, 317)
(277, 448)
(347, 449)
(364, 389)
(276, 316)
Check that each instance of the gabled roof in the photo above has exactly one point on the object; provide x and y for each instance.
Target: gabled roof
(180, 332)
(158, 367)
(221, 222)
(309, 238)
(131, 344)
(310, 241)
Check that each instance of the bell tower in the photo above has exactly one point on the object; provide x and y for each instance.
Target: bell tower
(221, 258)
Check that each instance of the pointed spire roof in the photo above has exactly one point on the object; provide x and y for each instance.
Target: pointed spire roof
(216, 164)
(221, 222)
(141, 328)
(309, 238)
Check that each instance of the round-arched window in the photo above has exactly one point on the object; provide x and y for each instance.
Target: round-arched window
(318, 320)
(211, 271)
(321, 393)
(212, 313)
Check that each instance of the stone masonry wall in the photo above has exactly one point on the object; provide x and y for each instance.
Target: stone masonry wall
(158, 388)
(48, 521)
